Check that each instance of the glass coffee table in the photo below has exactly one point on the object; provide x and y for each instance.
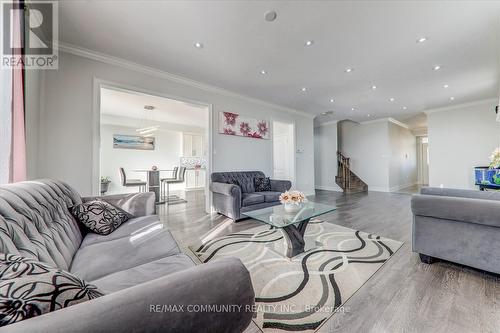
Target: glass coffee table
(292, 225)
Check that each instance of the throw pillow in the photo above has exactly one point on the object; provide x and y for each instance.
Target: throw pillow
(262, 184)
(100, 216)
(30, 288)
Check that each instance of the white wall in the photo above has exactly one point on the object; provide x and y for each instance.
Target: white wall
(382, 153)
(65, 145)
(166, 155)
(367, 145)
(325, 157)
(403, 158)
(461, 138)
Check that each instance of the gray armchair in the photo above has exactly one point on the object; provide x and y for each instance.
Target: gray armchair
(234, 193)
(461, 226)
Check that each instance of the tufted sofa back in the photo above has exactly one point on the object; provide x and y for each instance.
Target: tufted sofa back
(35, 221)
(244, 178)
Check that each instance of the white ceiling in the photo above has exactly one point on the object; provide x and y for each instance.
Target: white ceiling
(131, 105)
(376, 38)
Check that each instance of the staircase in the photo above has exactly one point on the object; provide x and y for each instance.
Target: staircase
(346, 179)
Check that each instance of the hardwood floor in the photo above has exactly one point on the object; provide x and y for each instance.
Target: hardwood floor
(405, 295)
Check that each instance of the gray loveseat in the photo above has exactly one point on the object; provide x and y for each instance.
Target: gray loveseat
(231, 200)
(461, 226)
(139, 266)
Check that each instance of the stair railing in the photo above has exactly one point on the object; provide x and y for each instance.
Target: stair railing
(344, 170)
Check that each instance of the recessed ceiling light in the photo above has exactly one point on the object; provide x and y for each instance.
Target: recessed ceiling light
(404, 107)
(349, 70)
(445, 86)
(270, 16)
(352, 109)
(263, 72)
(303, 89)
(198, 45)
(374, 87)
(368, 115)
(332, 100)
(436, 67)
(309, 42)
(452, 98)
(391, 99)
(421, 39)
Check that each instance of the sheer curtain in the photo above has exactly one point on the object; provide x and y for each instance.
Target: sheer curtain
(12, 125)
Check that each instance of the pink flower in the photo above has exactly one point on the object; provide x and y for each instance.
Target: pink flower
(255, 135)
(229, 131)
(230, 118)
(245, 128)
(262, 127)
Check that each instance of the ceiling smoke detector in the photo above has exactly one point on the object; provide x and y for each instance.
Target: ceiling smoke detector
(270, 16)
(149, 107)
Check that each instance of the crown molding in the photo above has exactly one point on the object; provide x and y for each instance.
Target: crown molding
(383, 120)
(463, 105)
(112, 60)
(328, 123)
(399, 123)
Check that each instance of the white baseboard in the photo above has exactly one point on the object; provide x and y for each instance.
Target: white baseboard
(400, 187)
(378, 189)
(390, 189)
(329, 188)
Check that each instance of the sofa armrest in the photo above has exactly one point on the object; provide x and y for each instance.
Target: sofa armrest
(280, 185)
(479, 211)
(137, 204)
(179, 302)
(226, 189)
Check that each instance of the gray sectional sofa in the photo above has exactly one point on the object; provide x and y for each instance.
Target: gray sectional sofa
(461, 226)
(234, 192)
(137, 266)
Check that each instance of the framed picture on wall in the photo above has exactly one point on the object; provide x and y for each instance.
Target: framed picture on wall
(234, 124)
(133, 142)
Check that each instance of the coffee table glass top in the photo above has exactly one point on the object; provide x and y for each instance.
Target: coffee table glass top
(279, 218)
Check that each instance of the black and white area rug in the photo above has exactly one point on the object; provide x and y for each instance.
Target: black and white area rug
(299, 294)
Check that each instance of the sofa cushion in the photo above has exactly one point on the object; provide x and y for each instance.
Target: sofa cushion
(99, 216)
(251, 199)
(96, 260)
(143, 273)
(270, 196)
(129, 228)
(262, 184)
(30, 288)
(35, 221)
(245, 179)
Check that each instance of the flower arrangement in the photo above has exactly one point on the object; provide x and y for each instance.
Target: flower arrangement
(495, 159)
(293, 197)
(292, 200)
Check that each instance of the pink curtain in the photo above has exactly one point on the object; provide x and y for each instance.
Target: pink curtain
(13, 129)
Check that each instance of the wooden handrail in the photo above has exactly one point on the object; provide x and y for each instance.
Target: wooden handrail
(344, 169)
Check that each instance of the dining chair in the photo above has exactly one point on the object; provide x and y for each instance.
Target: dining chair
(164, 181)
(180, 179)
(132, 182)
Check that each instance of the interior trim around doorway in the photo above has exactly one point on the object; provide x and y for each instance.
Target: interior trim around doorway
(96, 129)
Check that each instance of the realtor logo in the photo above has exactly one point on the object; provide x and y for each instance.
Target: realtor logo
(29, 34)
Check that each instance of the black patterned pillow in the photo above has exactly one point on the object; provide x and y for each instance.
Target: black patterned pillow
(29, 288)
(262, 184)
(99, 216)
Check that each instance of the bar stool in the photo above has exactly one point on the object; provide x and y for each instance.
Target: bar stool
(132, 182)
(164, 182)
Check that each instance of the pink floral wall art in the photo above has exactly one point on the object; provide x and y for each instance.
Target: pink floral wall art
(235, 124)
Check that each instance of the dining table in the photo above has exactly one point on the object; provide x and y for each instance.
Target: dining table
(153, 182)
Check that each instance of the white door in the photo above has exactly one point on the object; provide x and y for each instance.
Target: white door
(283, 151)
